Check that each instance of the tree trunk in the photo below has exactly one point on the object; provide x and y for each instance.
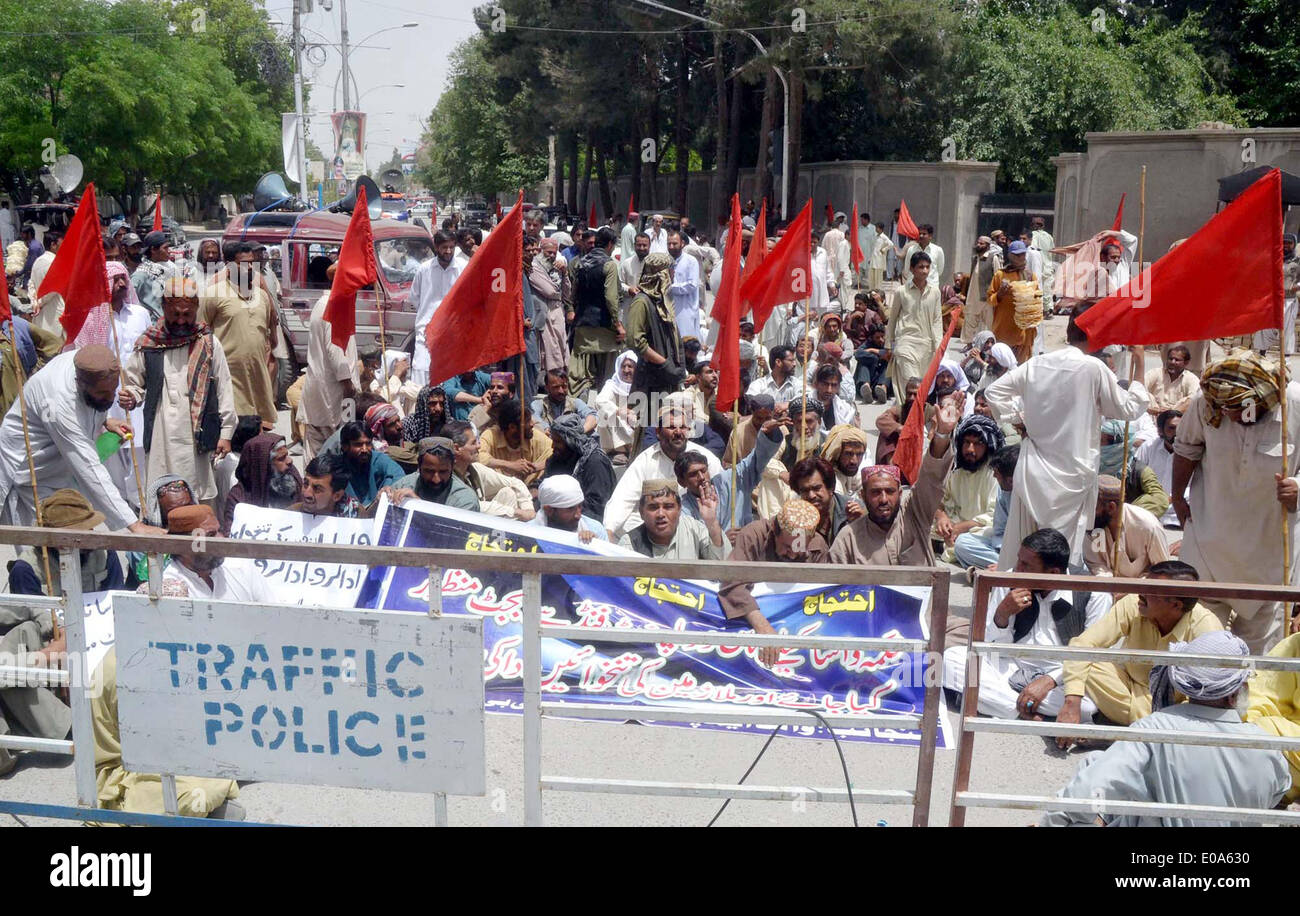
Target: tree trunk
(558, 180)
(724, 150)
(731, 180)
(602, 175)
(763, 167)
(571, 201)
(584, 193)
(796, 141)
(653, 189)
(683, 157)
(634, 188)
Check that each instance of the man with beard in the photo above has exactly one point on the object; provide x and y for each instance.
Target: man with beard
(896, 528)
(783, 384)
(978, 314)
(598, 330)
(385, 425)
(1028, 688)
(665, 534)
(813, 480)
(132, 251)
(1141, 537)
(790, 537)
(179, 374)
(206, 575)
(1000, 297)
(498, 494)
(557, 402)
(745, 436)
(436, 480)
(549, 287)
(845, 448)
(429, 415)
(978, 549)
(67, 402)
(561, 499)
(806, 435)
(685, 289)
(652, 331)
(243, 318)
(431, 284)
(655, 463)
(514, 445)
(970, 493)
(369, 471)
(1158, 455)
(1228, 450)
(325, 488)
(629, 269)
(207, 264)
(691, 470)
(264, 477)
(501, 387)
(156, 267)
(1173, 386)
(574, 453)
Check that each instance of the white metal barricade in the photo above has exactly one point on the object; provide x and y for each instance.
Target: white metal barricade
(972, 725)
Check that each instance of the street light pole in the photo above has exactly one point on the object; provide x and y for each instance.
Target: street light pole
(343, 43)
(301, 143)
(785, 92)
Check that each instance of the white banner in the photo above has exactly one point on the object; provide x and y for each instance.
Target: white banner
(301, 582)
(289, 140)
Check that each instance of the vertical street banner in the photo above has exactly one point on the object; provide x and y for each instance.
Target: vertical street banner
(642, 676)
(349, 144)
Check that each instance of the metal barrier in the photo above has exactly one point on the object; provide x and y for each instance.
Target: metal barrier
(531, 567)
(977, 648)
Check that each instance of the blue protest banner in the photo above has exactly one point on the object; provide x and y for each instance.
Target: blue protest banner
(640, 676)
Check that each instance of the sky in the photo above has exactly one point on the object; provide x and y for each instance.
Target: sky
(414, 57)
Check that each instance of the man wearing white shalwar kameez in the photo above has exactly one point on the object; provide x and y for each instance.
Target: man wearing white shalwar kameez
(915, 327)
(1232, 519)
(432, 282)
(65, 414)
(1062, 397)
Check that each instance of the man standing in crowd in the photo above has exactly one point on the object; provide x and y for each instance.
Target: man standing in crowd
(330, 390)
(924, 241)
(598, 330)
(431, 284)
(915, 325)
(179, 374)
(978, 314)
(243, 318)
(685, 289)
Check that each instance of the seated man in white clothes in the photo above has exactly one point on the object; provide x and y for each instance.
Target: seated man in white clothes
(1028, 688)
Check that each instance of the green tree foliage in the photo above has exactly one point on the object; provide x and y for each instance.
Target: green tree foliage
(144, 92)
(1034, 78)
(470, 142)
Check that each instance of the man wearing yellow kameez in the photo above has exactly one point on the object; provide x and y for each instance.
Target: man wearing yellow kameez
(240, 312)
(1122, 692)
(1275, 705)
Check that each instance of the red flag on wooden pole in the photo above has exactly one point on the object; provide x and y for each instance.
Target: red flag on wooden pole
(911, 441)
(78, 272)
(1119, 215)
(757, 252)
(727, 310)
(356, 270)
(157, 212)
(855, 244)
(906, 227)
(481, 320)
(786, 273)
(1186, 295)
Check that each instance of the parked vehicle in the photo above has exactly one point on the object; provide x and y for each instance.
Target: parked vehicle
(400, 248)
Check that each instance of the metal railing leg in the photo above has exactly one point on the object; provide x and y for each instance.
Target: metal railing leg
(171, 801)
(970, 699)
(932, 678)
(440, 809)
(79, 680)
(532, 659)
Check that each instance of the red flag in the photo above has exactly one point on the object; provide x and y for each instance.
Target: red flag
(757, 252)
(482, 319)
(591, 216)
(906, 227)
(726, 311)
(855, 244)
(356, 270)
(830, 214)
(786, 273)
(1186, 295)
(1119, 215)
(911, 440)
(78, 272)
(157, 212)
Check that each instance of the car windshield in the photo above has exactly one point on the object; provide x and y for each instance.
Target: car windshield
(400, 258)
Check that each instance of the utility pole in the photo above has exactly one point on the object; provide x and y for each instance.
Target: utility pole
(343, 44)
(301, 144)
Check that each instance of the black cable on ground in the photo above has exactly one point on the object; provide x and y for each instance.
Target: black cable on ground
(848, 786)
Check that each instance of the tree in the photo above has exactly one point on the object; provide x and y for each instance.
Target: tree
(1032, 83)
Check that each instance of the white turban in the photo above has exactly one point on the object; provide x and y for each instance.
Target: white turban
(560, 491)
(1195, 682)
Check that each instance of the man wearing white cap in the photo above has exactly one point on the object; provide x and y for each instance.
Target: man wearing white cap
(561, 498)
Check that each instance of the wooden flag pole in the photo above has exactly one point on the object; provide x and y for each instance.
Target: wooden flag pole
(807, 335)
(1138, 364)
(31, 466)
(380, 299)
(735, 425)
(121, 381)
(1286, 521)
